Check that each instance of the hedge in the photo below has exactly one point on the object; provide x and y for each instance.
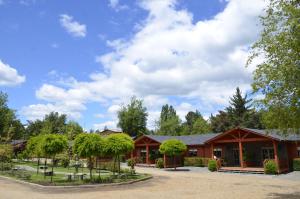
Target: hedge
(296, 164)
(196, 161)
(270, 167)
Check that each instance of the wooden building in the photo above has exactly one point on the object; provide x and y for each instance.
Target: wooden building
(237, 149)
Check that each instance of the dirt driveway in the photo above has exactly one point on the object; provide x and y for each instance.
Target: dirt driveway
(170, 184)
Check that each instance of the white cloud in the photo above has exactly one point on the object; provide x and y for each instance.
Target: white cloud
(108, 124)
(171, 56)
(9, 76)
(115, 4)
(71, 26)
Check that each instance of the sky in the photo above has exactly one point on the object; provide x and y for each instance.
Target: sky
(88, 58)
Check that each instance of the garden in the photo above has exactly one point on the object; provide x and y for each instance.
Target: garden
(51, 159)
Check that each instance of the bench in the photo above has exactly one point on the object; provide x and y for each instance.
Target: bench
(48, 173)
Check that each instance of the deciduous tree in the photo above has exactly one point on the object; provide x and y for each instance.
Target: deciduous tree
(277, 76)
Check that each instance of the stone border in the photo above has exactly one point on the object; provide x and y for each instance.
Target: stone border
(75, 186)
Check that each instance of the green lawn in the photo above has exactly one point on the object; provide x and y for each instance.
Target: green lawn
(61, 169)
(60, 179)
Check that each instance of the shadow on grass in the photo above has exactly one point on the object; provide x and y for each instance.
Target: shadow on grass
(295, 195)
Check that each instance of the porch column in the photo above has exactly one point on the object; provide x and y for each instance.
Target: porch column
(212, 151)
(165, 161)
(241, 154)
(147, 154)
(275, 146)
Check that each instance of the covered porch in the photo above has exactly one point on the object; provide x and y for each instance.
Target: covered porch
(241, 150)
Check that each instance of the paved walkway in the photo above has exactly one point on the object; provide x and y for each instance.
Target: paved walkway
(194, 184)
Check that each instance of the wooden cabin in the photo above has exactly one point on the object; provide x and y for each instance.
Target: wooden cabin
(238, 149)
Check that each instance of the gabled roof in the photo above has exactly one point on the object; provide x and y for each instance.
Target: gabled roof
(275, 134)
(187, 139)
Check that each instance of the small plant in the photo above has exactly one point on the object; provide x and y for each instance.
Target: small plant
(296, 164)
(159, 163)
(131, 163)
(270, 167)
(212, 165)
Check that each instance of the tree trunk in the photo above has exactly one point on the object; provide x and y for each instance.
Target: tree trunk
(52, 168)
(174, 162)
(115, 159)
(99, 168)
(38, 166)
(119, 167)
(90, 167)
(45, 164)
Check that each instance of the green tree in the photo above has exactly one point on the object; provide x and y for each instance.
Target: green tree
(54, 123)
(169, 122)
(220, 122)
(239, 113)
(88, 146)
(10, 126)
(33, 128)
(73, 129)
(201, 126)
(195, 124)
(172, 148)
(53, 144)
(118, 144)
(133, 117)
(6, 153)
(33, 149)
(277, 76)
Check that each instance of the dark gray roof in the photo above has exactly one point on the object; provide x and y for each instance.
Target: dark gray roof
(276, 134)
(187, 139)
(15, 142)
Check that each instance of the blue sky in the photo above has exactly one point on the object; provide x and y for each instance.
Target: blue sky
(86, 59)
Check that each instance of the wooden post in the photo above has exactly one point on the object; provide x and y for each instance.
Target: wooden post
(147, 154)
(275, 146)
(241, 154)
(165, 161)
(212, 151)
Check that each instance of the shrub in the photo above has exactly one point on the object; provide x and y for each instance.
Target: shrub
(131, 162)
(270, 167)
(65, 162)
(296, 164)
(159, 163)
(212, 165)
(24, 175)
(196, 161)
(5, 166)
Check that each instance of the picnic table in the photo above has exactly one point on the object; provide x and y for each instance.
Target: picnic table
(69, 176)
(43, 167)
(79, 175)
(48, 173)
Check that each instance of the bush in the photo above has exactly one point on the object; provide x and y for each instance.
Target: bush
(212, 165)
(159, 163)
(24, 175)
(195, 161)
(296, 164)
(5, 166)
(270, 167)
(131, 162)
(65, 162)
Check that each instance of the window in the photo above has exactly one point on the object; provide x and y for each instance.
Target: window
(192, 152)
(267, 153)
(298, 151)
(218, 152)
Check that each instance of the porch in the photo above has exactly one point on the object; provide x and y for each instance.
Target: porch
(240, 150)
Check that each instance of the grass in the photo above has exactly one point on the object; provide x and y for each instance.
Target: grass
(60, 168)
(60, 179)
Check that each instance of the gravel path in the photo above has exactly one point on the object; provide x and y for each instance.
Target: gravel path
(173, 185)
